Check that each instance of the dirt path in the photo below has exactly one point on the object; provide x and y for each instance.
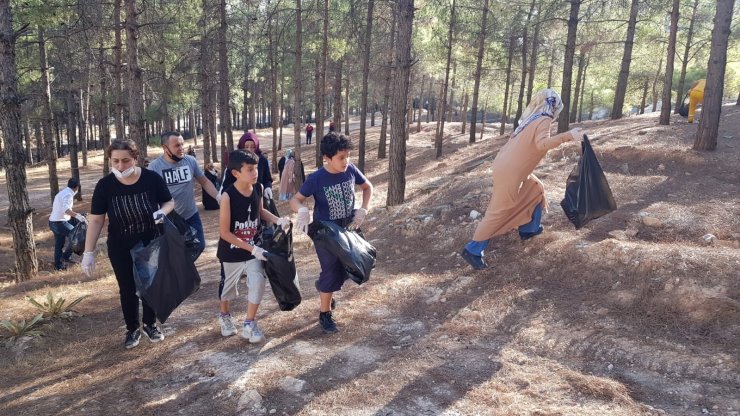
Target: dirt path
(625, 316)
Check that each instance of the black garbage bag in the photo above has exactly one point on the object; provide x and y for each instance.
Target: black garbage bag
(587, 193)
(355, 253)
(280, 269)
(163, 277)
(76, 239)
(192, 242)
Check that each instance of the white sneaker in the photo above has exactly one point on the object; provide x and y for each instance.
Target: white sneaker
(227, 326)
(252, 332)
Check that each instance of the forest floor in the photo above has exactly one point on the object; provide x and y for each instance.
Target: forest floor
(636, 313)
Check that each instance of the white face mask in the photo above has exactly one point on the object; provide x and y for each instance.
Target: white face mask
(125, 174)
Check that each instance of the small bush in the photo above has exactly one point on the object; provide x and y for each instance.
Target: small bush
(22, 328)
(56, 308)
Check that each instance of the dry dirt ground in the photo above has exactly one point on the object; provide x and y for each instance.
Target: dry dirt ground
(636, 313)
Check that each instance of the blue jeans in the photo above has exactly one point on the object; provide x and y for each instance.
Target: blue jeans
(61, 230)
(477, 247)
(196, 223)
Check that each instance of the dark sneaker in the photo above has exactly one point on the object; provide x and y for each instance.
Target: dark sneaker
(153, 333)
(475, 262)
(333, 301)
(132, 339)
(327, 323)
(527, 236)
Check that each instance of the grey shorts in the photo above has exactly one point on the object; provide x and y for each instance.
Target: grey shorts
(256, 279)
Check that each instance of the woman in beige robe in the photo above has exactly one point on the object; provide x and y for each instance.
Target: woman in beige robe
(518, 196)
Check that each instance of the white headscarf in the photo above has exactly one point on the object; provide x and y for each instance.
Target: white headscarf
(545, 102)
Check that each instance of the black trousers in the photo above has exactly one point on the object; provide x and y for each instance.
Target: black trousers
(123, 267)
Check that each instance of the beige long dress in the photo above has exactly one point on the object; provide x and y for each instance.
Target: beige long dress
(516, 191)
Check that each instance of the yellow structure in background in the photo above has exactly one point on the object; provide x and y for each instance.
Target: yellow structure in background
(696, 96)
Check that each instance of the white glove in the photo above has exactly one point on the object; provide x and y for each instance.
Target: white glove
(357, 220)
(268, 193)
(576, 133)
(259, 253)
(81, 218)
(158, 216)
(88, 263)
(303, 219)
(284, 222)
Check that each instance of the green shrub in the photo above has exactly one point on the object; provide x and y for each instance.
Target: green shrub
(22, 328)
(56, 308)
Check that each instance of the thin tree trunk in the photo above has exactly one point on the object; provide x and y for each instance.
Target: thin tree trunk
(655, 84)
(533, 59)
(275, 110)
(706, 135)
(298, 81)
(421, 103)
(577, 95)
(321, 96)
(525, 68)
(483, 120)
(624, 71)
(72, 135)
(570, 49)
(337, 109)
(205, 95)
(582, 90)
(118, 72)
(397, 161)
(478, 70)
(346, 106)
(591, 107)
(223, 81)
(104, 109)
(685, 60)
(51, 147)
(665, 110)
(20, 213)
(552, 68)
(27, 137)
(136, 82)
(82, 120)
(464, 112)
(386, 93)
(365, 75)
(643, 102)
(451, 105)
(510, 59)
(443, 112)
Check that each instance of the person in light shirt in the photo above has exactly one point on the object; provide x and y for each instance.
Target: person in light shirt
(59, 221)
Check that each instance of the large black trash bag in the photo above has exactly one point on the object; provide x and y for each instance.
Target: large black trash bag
(355, 253)
(76, 238)
(192, 242)
(280, 269)
(587, 193)
(164, 277)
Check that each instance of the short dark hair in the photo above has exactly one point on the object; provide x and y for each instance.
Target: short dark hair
(123, 144)
(73, 183)
(237, 158)
(166, 136)
(334, 142)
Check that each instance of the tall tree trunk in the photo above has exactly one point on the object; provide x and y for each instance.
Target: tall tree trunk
(104, 108)
(507, 87)
(382, 141)
(624, 71)
(665, 110)
(525, 67)
(27, 141)
(82, 120)
(582, 89)
(478, 70)
(72, 134)
(533, 59)
(591, 107)
(450, 106)
(321, 96)
(337, 109)
(346, 106)
(464, 114)
(365, 75)
(643, 102)
(552, 67)
(20, 213)
(275, 104)
(397, 161)
(298, 81)
(118, 72)
(136, 82)
(655, 84)
(576, 96)
(421, 103)
(51, 147)
(443, 112)
(483, 120)
(685, 60)
(706, 135)
(223, 79)
(570, 50)
(205, 96)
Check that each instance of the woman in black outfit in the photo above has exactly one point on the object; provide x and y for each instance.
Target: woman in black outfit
(132, 198)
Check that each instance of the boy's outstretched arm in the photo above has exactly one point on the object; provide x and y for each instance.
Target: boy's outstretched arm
(367, 193)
